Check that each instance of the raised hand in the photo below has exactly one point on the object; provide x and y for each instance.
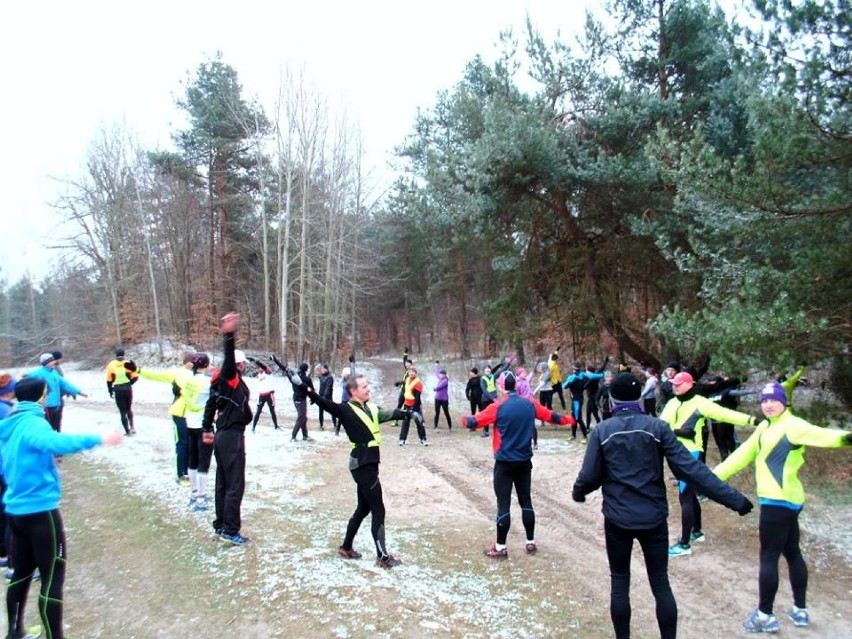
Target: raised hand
(230, 323)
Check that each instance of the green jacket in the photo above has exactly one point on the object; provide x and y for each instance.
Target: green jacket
(189, 385)
(777, 448)
(687, 417)
(789, 385)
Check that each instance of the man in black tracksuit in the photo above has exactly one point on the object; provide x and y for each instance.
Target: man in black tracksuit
(360, 419)
(625, 459)
(229, 406)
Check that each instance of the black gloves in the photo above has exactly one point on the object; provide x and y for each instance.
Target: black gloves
(132, 367)
(746, 507)
(757, 417)
(109, 388)
(578, 496)
(351, 359)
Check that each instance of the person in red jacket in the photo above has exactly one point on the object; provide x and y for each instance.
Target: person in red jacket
(514, 418)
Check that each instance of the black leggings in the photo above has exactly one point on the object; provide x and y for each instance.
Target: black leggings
(545, 398)
(333, 418)
(619, 548)
(199, 452)
(268, 399)
(369, 501)
(690, 512)
(779, 535)
(725, 437)
(406, 424)
(557, 388)
(445, 404)
(519, 475)
(124, 401)
(38, 541)
(591, 410)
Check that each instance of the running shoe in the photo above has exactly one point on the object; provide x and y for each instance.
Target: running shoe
(308, 439)
(183, 482)
(235, 538)
(799, 616)
(696, 536)
(200, 504)
(349, 554)
(679, 550)
(486, 435)
(423, 442)
(402, 442)
(388, 562)
(493, 553)
(760, 622)
(531, 548)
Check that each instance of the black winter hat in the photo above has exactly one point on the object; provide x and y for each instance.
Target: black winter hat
(29, 389)
(625, 388)
(509, 381)
(303, 367)
(119, 352)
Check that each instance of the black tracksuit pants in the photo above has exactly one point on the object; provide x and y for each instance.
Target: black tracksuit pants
(230, 450)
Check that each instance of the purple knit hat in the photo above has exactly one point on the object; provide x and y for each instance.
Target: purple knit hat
(774, 390)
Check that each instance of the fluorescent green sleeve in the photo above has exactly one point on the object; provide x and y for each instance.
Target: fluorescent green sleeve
(802, 433)
(159, 376)
(741, 457)
(721, 414)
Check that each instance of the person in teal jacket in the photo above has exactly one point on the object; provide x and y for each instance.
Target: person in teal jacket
(29, 446)
(777, 449)
(57, 386)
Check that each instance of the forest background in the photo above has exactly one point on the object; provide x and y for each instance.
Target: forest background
(671, 185)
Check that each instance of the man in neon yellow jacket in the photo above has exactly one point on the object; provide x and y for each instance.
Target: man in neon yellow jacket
(686, 413)
(187, 388)
(777, 448)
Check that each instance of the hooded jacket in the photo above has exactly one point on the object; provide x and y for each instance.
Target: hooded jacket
(30, 446)
(56, 385)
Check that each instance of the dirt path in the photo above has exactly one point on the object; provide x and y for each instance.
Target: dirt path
(142, 568)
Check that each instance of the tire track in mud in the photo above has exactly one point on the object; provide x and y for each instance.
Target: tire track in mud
(465, 485)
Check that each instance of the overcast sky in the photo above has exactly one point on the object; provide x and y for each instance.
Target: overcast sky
(73, 68)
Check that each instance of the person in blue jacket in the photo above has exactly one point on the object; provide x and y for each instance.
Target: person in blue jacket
(57, 386)
(29, 446)
(7, 403)
(576, 384)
